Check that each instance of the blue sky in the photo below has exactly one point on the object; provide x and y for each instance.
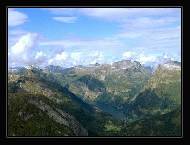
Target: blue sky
(82, 36)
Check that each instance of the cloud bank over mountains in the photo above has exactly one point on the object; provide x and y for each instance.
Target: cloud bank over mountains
(145, 35)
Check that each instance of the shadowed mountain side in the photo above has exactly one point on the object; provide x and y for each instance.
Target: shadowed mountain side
(99, 100)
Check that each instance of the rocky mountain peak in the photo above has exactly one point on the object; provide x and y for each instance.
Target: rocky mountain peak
(171, 65)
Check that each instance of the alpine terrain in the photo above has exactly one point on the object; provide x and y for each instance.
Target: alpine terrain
(124, 98)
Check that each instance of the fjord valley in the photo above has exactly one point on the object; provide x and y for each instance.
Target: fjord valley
(124, 98)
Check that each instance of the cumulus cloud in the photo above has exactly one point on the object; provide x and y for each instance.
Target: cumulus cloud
(156, 30)
(16, 18)
(61, 57)
(40, 54)
(146, 58)
(58, 59)
(67, 59)
(27, 51)
(86, 51)
(151, 59)
(14, 35)
(142, 57)
(85, 58)
(65, 19)
(24, 51)
(25, 43)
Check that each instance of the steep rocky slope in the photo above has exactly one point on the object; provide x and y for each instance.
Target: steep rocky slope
(160, 95)
(108, 85)
(44, 108)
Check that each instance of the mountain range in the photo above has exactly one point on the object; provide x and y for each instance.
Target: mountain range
(124, 98)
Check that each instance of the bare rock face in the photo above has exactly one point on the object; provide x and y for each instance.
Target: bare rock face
(123, 64)
(171, 65)
(61, 117)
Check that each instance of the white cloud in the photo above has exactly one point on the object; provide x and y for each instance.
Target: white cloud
(146, 58)
(162, 40)
(16, 18)
(165, 39)
(138, 27)
(61, 11)
(147, 23)
(24, 43)
(76, 56)
(129, 55)
(40, 54)
(65, 19)
(124, 14)
(86, 51)
(50, 61)
(147, 26)
(85, 58)
(62, 56)
(14, 35)
(105, 13)
(67, 59)
(115, 14)
(141, 57)
(24, 51)
(58, 59)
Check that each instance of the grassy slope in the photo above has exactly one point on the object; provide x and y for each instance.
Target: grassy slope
(24, 119)
(168, 124)
(163, 84)
(40, 124)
